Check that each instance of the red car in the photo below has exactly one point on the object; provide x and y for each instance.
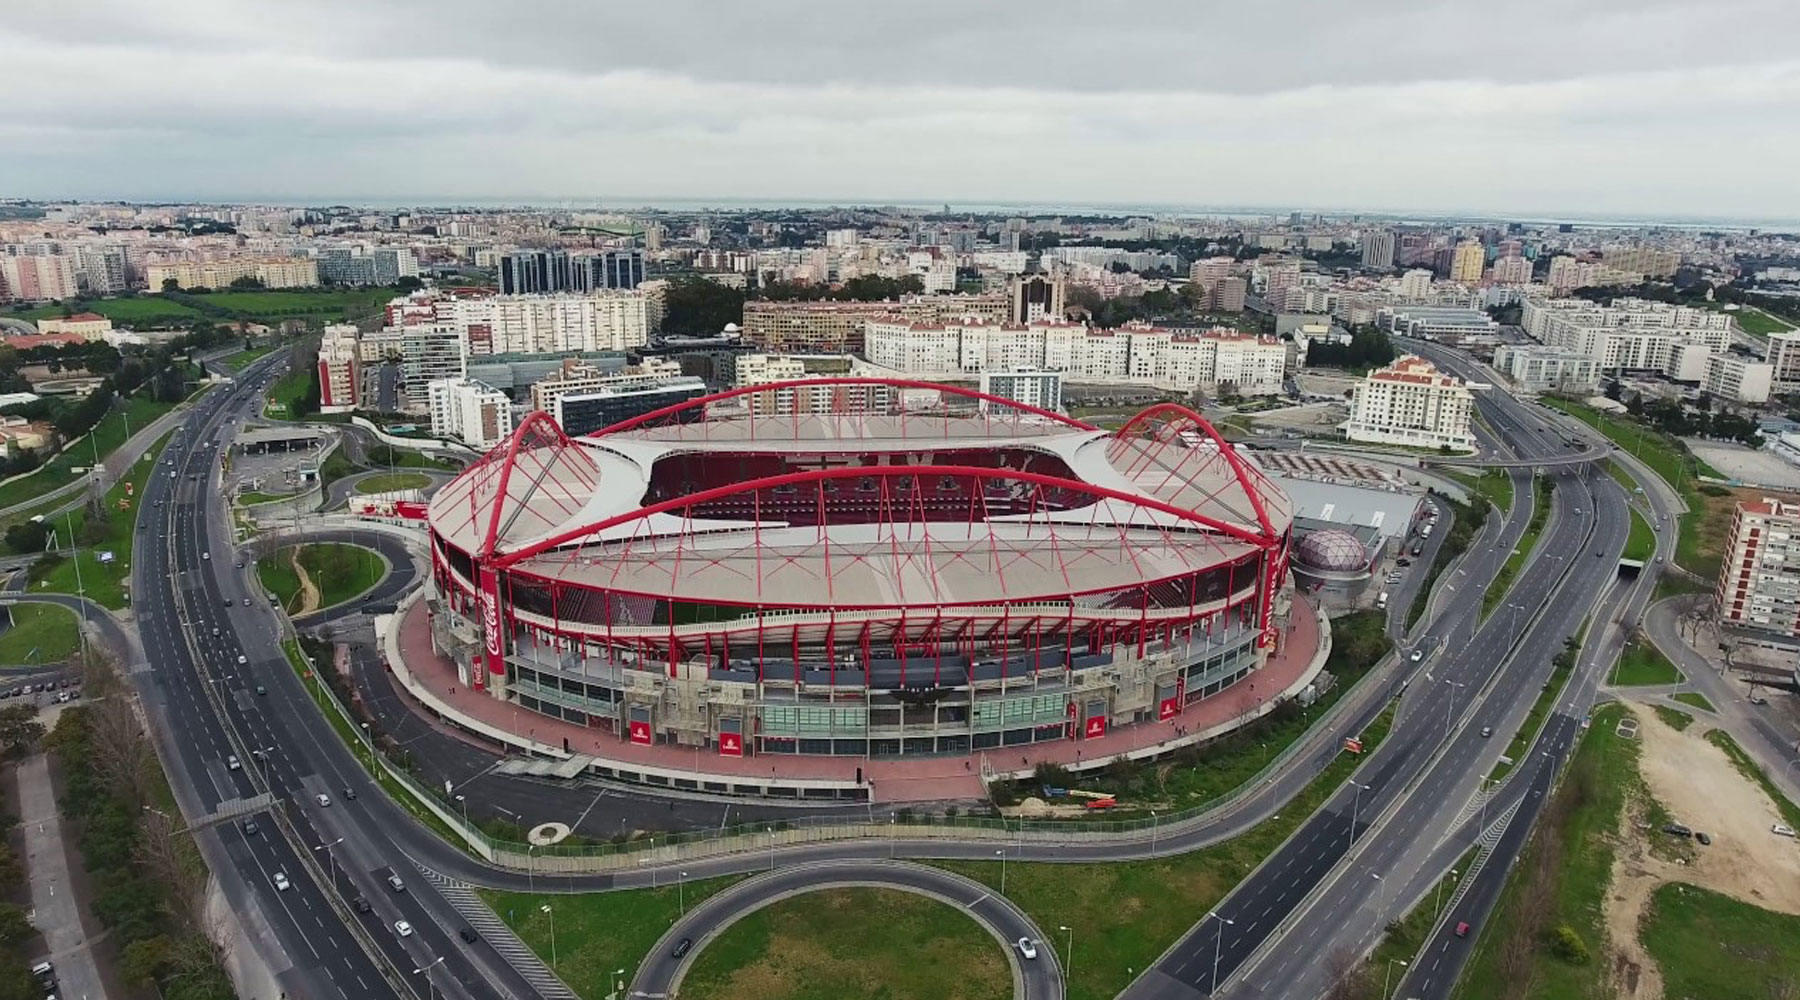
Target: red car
(1462, 929)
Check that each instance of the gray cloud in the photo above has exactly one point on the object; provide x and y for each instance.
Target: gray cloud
(1528, 106)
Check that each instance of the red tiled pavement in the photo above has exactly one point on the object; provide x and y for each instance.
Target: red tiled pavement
(898, 779)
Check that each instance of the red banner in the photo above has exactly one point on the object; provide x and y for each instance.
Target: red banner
(1168, 708)
(1095, 727)
(490, 626)
(731, 745)
(640, 732)
(413, 510)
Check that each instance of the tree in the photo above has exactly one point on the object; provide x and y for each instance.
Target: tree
(408, 283)
(248, 281)
(701, 306)
(20, 731)
(171, 285)
(27, 537)
(15, 927)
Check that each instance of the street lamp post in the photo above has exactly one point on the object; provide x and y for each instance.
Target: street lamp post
(330, 856)
(681, 891)
(1437, 908)
(1152, 831)
(1218, 947)
(1068, 952)
(425, 970)
(1381, 897)
(1389, 974)
(1001, 854)
(1355, 807)
(546, 908)
(1450, 705)
(771, 848)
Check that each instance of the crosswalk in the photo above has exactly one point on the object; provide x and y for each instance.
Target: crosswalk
(494, 931)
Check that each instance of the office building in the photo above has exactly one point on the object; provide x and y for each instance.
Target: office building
(1536, 368)
(535, 272)
(619, 269)
(575, 376)
(472, 412)
(1378, 250)
(1040, 389)
(1411, 403)
(340, 369)
(1448, 324)
(1467, 262)
(1759, 582)
(592, 409)
(1738, 379)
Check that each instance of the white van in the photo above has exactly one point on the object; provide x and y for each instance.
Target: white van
(1381, 602)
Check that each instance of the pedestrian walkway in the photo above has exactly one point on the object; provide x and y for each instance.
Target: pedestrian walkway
(431, 680)
(54, 909)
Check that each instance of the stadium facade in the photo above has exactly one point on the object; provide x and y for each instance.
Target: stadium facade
(855, 566)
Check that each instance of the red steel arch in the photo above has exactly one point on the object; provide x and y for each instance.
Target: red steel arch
(1238, 468)
(701, 402)
(532, 420)
(1267, 540)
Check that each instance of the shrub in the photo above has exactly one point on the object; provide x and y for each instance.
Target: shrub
(1568, 946)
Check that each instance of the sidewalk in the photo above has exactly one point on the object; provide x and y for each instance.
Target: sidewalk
(432, 682)
(54, 911)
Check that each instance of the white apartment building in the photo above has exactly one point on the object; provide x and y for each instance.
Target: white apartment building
(1546, 369)
(1033, 388)
(1142, 355)
(762, 369)
(340, 369)
(608, 320)
(1415, 285)
(1784, 362)
(1759, 584)
(576, 376)
(474, 413)
(1737, 378)
(1410, 402)
(1631, 334)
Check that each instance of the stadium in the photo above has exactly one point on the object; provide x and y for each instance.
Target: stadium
(859, 566)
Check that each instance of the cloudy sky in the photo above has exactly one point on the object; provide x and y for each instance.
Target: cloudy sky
(1633, 107)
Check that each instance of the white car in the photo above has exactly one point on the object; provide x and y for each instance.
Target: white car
(1417, 655)
(1782, 830)
(232, 763)
(1026, 948)
(322, 799)
(402, 928)
(281, 882)
(242, 659)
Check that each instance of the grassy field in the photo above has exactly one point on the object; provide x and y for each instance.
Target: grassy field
(1757, 323)
(1126, 914)
(340, 572)
(1509, 571)
(144, 309)
(382, 456)
(105, 438)
(1695, 699)
(1672, 718)
(824, 946)
(1534, 720)
(279, 403)
(393, 483)
(1494, 484)
(102, 580)
(1641, 543)
(597, 933)
(243, 359)
(1643, 664)
(40, 633)
(1560, 881)
(314, 305)
(1701, 539)
(276, 573)
(250, 498)
(1710, 945)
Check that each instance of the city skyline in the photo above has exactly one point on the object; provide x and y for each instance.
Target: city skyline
(1388, 110)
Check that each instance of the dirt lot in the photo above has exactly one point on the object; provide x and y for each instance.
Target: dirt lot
(1698, 786)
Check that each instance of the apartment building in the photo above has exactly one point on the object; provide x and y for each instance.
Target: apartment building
(576, 377)
(1759, 582)
(1738, 378)
(837, 327)
(275, 272)
(1467, 261)
(1410, 402)
(1536, 368)
(472, 412)
(1180, 360)
(591, 409)
(1041, 389)
(1659, 265)
(1378, 249)
(38, 278)
(548, 324)
(340, 369)
(1511, 271)
(762, 369)
(1631, 334)
(1784, 362)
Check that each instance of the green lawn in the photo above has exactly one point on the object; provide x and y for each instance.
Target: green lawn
(341, 571)
(1710, 945)
(1757, 323)
(852, 944)
(383, 456)
(1641, 544)
(141, 309)
(1534, 720)
(314, 305)
(288, 389)
(1494, 484)
(1672, 718)
(135, 412)
(276, 573)
(597, 933)
(1695, 699)
(103, 581)
(250, 498)
(1509, 570)
(1643, 664)
(1566, 868)
(1127, 913)
(243, 359)
(40, 633)
(393, 483)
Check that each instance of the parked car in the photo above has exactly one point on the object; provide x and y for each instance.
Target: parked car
(1704, 839)
(1782, 830)
(1677, 830)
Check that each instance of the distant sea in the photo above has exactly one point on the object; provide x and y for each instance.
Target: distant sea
(724, 204)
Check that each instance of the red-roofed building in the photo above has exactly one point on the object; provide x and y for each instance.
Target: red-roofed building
(87, 325)
(1410, 402)
(26, 341)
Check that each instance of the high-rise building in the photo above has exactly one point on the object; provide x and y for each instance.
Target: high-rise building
(1511, 271)
(340, 369)
(620, 269)
(1041, 389)
(1784, 362)
(576, 376)
(549, 324)
(590, 410)
(1036, 297)
(1228, 295)
(1653, 264)
(1278, 275)
(534, 272)
(1415, 285)
(1737, 379)
(472, 412)
(38, 278)
(1410, 402)
(1467, 262)
(393, 263)
(1759, 583)
(431, 352)
(1378, 249)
